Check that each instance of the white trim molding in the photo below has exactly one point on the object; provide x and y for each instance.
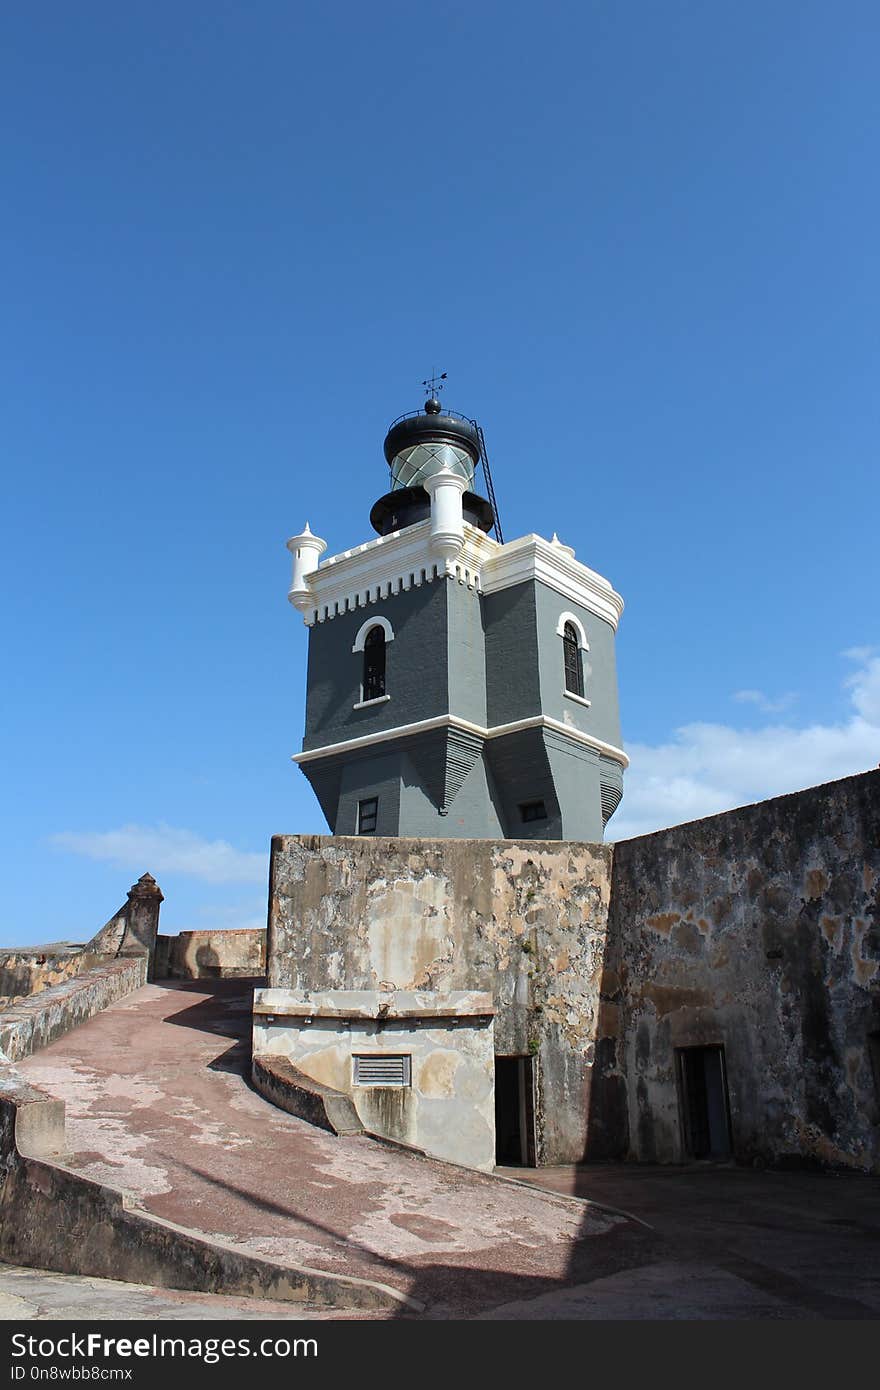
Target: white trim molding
(531, 557)
(389, 565)
(578, 627)
(368, 626)
(579, 699)
(445, 721)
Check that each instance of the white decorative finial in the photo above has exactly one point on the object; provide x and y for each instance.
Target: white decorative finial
(560, 545)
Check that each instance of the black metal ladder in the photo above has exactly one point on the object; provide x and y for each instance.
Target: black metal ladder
(489, 488)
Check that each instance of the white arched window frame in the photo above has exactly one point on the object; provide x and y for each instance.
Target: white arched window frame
(571, 619)
(367, 626)
(360, 643)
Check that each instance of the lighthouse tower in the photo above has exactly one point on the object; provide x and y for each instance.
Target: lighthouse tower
(458, 685)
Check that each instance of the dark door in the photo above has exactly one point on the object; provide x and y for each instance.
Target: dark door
(704, 1109)
(514, 1112)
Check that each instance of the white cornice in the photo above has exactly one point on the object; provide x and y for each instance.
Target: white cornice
(553, 564)
(445, 721)
(388, 565)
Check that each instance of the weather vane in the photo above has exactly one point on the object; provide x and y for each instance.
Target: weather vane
(434, 384)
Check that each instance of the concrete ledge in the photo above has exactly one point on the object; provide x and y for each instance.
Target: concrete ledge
(373, 1004)
(288, 1088)
(35, 1022)
(31, 1123)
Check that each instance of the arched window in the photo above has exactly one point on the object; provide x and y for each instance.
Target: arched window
(574, 672)
(374, 664)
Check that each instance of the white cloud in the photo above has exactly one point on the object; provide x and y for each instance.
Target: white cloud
(865, 687)
(242, 916)
(164, 849)
(706, 768)
(764, 703)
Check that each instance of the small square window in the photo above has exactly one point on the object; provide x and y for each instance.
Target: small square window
(533, 810)
(368, 812)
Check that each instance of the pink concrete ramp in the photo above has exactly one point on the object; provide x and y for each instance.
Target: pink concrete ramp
(159, 1106)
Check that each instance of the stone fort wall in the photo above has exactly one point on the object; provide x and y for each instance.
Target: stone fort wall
(757, 931)
(222, 953)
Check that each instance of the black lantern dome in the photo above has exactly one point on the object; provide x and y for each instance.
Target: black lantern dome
(418, 445)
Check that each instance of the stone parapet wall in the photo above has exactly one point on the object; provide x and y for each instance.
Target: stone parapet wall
(31, 1123)
(211, 954)
(35, 1022)
(28, 971)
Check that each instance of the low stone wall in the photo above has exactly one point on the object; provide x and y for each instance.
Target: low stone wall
(33, 1023)
(211, 955)
(290, 1089)
(29, 970)
(31, 1123)
(53, 1218)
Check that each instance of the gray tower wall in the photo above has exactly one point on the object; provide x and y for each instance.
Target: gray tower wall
(415, 667)
(466, 653)
(490, 660)
(475, 808)
(379, 776)
(521, 771)
(513, 686)
(576, 777)
(602, 719)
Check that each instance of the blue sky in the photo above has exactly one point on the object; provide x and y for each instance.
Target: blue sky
(642, 241)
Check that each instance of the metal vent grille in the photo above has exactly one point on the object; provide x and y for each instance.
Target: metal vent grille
(385, 1069)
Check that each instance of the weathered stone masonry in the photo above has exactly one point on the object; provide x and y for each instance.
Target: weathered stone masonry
(524, 921)
(757, 931)
(211, 955)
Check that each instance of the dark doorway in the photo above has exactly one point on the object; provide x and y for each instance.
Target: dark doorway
(514, 1112)
(704, 1110)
